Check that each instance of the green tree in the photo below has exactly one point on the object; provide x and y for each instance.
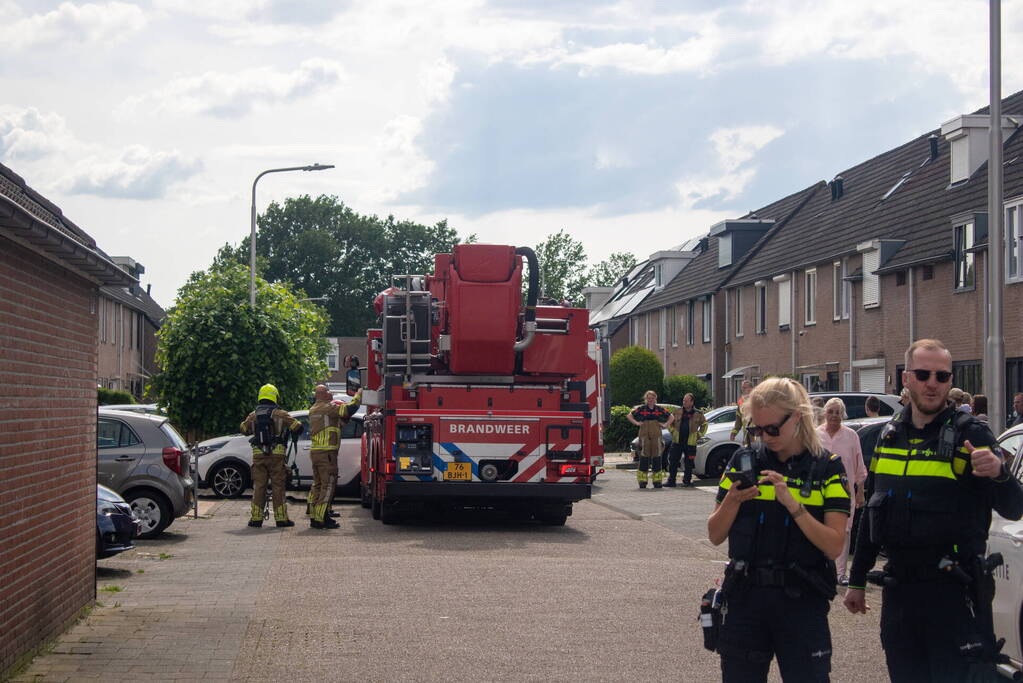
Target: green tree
(563, 271)
(328, 250)
(677, 386)
(609, 271)
(634, 371)
(214, 351)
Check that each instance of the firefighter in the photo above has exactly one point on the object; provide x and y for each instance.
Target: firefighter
(782, 505)
(325, 422)
(648, 417)
(270, 427)
(935, 476)
(747, 387)
(687, 426)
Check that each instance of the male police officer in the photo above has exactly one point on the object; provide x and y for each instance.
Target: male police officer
(325, 422)
(935, 476)
(270, 427)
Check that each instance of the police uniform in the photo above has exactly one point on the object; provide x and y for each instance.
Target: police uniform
(931, 516)
(270, 465)
(650, 443)
(778, 586)
(325, 422)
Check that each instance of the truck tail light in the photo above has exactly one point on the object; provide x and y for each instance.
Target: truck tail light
(172, 459)
(574, 470)
(390, 467)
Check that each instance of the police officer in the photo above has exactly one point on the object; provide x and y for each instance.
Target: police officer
(271, 425)
(934, 479)
(687, 426)
(648, 417)
(325, 422)
(782, 505)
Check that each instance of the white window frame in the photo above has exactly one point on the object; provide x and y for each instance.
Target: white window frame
(964, 238)
(646, 331)
(707, 318)
(635, 330)
(784, 283)
(662, 328)
(810, 296)
(658, 275)
(1014, 240)
(738, 312)
(674, 325)
(760, 303)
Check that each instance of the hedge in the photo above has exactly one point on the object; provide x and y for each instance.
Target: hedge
(634, 371)
(677, 386)
(107, 397)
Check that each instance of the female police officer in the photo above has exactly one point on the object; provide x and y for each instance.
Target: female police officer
(783, 506)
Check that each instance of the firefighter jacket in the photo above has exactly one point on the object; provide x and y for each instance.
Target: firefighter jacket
(643, 413)
(764, 534)
(284, 424)
(923, 501)
(325, 422)
(697, 426)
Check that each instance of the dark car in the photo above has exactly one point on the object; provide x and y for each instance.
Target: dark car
(116, 526)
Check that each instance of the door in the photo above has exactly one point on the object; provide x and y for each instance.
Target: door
(872, 380)
(350, 454)
(118, 450)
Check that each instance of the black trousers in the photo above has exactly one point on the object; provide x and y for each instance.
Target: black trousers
(766, 622)
(929, 633)
(684, 455)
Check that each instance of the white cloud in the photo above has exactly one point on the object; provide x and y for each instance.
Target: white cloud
(69, 23)
(137, 173)
(232, 95)
(734, 148)
(405, 166)
(28, 134)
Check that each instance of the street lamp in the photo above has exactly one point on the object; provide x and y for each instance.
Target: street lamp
(315, 298)
(252, 234)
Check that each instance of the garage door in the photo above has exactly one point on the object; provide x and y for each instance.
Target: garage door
(872, 380)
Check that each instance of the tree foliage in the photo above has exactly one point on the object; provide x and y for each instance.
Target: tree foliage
(109, 397)
(609, 271)
(634, 371)
(563, 272)
(328, 250)
(214, 351)
(677, 386)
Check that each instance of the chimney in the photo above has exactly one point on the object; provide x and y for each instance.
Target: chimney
(933, 141)
(837, 188)
(149, 288)
(968, 141)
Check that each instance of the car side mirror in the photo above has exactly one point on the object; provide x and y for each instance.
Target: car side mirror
(353, 382)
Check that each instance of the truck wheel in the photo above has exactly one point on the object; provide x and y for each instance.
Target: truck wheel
(367, 500)
(389, 513)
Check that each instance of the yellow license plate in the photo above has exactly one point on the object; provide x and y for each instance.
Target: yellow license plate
(458, 471)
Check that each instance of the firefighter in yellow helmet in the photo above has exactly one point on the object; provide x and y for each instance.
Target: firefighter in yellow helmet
(270, 428)
(326, 419)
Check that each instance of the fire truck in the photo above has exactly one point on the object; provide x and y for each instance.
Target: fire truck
(477, 400)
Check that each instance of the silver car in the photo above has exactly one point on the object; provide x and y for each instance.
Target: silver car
(714, 449)
(145, 460)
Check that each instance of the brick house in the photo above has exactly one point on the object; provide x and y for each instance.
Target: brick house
(129, 319)
(340, 348)
(849, 272)
(50, 275)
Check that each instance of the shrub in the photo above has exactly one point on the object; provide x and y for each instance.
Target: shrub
(619, 431)
(108, 397)
(677, 386)
(634, 370)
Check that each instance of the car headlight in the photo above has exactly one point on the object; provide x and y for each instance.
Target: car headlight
(702, 440)
(203, 450)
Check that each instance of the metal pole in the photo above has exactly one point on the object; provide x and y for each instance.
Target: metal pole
(994, 350)
(252, 227)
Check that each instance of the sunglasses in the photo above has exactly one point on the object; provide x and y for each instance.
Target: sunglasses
(941, 375)
(770, 430)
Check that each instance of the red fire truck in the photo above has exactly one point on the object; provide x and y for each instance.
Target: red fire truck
(475, 400)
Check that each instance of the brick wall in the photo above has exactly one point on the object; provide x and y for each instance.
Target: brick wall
(48, 451)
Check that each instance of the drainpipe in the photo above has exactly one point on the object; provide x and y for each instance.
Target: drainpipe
(912, 306)
(714, 372)
(793, 317)
(852, 334)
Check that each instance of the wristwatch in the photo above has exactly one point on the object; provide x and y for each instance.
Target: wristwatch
(800, 511)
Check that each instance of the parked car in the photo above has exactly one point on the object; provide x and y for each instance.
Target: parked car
(225, 462)
(1006, 537)
(147, 408)
(145, 460)
(116, 526)
(715, 448)
(855, 400)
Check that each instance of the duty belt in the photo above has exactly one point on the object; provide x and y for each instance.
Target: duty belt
(767, 576)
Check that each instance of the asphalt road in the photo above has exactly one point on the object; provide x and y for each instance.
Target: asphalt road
(611, 596)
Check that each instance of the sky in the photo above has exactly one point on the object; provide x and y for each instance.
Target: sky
(632, 125)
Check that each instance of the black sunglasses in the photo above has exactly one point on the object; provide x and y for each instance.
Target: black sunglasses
(770, 430)
(923, 375)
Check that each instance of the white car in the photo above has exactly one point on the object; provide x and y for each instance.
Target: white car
(714, 449)
(225, 462)
(1006, 537)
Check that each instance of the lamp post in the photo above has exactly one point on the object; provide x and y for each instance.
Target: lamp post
(252, 234)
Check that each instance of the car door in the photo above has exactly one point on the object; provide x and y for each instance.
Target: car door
(303, 457)
(118, 451)
(349, 459)
(1006, 537)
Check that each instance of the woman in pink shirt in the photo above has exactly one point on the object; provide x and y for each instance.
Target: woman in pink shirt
(843, 442)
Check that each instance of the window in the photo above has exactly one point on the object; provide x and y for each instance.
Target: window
(900, 278)
(114, 434)
(691, 323)
(646, 330)
(965, 266)
(102, 320)
(784, 302)
(738, 312)
(1014, 242)
(674, 325)
(707, 308)
(635, 331)
(658, 275)
(927, 273)
(761, 307)
(332, 360)
(662, 327)
(810, 296)
(836, 290)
